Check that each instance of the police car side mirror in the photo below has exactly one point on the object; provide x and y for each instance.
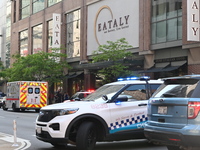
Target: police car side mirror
(77, 99)
(105, 97)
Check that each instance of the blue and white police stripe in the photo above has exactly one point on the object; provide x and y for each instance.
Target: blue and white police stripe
(128, 124)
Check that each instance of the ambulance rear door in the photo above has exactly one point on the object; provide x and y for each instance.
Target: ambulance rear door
(33, 95)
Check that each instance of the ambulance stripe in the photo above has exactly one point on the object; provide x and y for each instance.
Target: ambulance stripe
(23, 94)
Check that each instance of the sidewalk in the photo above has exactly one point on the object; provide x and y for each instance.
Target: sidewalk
(7, 143)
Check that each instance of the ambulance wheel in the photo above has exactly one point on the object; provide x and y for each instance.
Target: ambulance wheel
(4, 107)
(86, 136)
(37, 110)
(14, 107)
(22, 109)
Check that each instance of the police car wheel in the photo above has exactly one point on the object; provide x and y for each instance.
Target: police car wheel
(58, 145)
(173, 148)
(86, 136)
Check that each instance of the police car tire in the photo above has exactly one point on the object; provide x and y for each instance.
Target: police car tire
(58, 145)
(86, 136)
(173, 148)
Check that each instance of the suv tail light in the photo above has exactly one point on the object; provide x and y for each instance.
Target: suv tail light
(193, 109)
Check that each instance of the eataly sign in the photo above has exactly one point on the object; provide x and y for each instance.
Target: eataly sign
(193, 20)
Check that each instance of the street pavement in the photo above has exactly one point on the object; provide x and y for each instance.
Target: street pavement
(8, 142)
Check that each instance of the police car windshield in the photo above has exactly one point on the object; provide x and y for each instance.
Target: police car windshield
(108, 90)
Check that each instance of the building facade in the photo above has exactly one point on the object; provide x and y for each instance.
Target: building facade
(5, 27)
(157, 30)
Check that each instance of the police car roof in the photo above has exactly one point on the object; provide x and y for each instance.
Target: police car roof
(135, 82)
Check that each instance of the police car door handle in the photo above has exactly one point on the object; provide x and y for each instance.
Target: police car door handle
(143, 104)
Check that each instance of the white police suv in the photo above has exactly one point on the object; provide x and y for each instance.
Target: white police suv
(115, 111)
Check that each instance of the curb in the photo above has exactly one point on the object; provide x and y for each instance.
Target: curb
(7, 143)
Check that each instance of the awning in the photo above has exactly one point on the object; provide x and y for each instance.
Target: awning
(174, 65)
(73, 74)
(166, 67)
(158, 67)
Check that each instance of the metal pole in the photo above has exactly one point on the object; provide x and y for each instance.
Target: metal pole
(15, 133)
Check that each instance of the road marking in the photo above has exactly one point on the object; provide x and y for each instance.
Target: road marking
(23, 144)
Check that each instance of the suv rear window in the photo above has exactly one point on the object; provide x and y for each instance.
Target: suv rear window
(177, 88)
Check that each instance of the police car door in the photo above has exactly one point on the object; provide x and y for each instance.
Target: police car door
(130, 114)
(33, 96)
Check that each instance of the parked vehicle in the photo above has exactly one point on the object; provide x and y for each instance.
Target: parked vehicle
(1, 101)
(78, 96)
(173, 113)
(26, 95)
(115, 111)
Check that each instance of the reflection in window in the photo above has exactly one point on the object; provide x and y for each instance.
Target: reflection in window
(135, 92)
(73, 34)
(38, 5)
(25, 8)
(37, 39)
(52, 2)
(24, 43)
(166, 20)
(8, 34)
(177, 90)
(30, 90)
(37, 90)
(50, 34)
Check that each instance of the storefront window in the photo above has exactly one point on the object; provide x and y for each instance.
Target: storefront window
(166, 20)
(50, 34)
(24, 43)
(52, 2)
(38, 5)
(25, 8)
(37, 39)
(73, 34)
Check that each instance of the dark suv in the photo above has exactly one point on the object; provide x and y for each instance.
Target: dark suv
(173, 113)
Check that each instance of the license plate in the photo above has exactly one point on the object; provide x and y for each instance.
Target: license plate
(162, 109)
(39, 130)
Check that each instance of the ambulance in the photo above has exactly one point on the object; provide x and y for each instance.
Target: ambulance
(22, 95)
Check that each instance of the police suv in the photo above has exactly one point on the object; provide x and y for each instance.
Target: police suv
(115, 111)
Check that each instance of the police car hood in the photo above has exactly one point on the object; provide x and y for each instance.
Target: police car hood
(71, 104)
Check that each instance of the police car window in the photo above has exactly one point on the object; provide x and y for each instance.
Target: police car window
(153, 88)
(30, 90)
(135, 92)
(108, 90)
(176, 90)
(37, 90)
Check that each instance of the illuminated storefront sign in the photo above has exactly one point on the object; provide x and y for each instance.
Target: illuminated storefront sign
(193, 20)
(111, 21)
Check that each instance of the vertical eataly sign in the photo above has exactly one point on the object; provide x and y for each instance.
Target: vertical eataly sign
(193, 20)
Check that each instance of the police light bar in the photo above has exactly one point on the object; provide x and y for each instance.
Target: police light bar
(134, 78)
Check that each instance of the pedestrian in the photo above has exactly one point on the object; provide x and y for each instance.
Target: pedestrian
(58, 97)
(66, 97)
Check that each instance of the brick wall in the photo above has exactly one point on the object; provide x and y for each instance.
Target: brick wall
(194, 69)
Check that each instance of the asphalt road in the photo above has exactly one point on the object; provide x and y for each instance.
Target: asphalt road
(25, 123)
